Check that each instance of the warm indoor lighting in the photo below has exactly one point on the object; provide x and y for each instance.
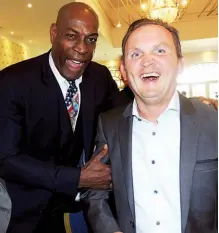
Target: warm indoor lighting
(12, 33)
(167, 14)
(184, 2)
(166, 10)
(118, 16)
(143, 6)
(118, 25)
(29, 5)
(30, 41)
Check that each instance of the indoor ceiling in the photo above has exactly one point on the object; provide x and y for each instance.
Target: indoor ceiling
(30, 26)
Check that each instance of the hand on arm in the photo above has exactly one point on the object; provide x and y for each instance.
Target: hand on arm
(208, 101)
(95, 174)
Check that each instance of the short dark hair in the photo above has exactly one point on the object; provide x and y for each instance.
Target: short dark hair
(146, 21)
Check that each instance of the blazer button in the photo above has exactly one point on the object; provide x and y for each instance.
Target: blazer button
(132, 224)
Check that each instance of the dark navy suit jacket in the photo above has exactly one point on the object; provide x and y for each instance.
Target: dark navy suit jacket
(37, 151)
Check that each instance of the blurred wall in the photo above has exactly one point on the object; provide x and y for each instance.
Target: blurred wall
(11, 52)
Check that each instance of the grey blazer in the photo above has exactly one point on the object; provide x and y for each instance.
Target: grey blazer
(198, 170)
(5, 207)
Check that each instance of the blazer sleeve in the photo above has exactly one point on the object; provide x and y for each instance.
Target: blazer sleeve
(97, 209)
(15, 163)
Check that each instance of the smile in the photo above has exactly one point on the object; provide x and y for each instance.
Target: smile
(150, 76)
(74, 64)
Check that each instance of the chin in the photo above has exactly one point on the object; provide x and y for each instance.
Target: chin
(72, 75)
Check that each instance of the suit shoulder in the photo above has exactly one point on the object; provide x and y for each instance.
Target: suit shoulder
(205, 111)
(114, 114)
(207, 119)
(98, 71)
(95, 65)
(24, 68)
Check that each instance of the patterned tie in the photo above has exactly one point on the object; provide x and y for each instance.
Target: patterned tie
(72, 102)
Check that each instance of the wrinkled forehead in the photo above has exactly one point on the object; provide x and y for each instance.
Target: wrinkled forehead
(151, 32)
(85, 18)
(148, 36)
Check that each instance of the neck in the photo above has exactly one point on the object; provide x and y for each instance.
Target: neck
(151, 111)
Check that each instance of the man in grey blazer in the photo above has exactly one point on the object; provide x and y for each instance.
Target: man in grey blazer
(5, 207)
(162, 147)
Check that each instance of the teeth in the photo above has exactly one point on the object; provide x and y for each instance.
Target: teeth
(152, 74)
(77, 62)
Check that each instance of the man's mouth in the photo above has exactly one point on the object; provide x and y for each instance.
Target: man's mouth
(153, 76)
(74, 64)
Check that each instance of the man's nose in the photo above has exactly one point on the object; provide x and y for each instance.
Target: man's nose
(81, 47)
(147, 61)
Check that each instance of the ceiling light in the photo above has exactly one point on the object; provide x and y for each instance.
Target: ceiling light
(167, 10)
(12, 33)
(118, 17)
(118, 25)
(29, 5)
(143, 6)
(184, 2)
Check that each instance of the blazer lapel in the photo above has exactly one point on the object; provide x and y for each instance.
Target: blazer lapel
(188, 149)
(87, 108)
(54, 92)
(125, 142)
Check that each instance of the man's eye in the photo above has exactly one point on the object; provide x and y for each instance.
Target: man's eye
(136, 54)
(92, 40)
(71, 36)
(160, 51)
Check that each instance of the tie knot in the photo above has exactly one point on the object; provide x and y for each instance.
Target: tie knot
(72, 86)
(71, 83)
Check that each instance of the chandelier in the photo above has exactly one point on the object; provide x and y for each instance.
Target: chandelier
(166, 10)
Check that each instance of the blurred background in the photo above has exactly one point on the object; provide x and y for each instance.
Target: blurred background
(24, 33)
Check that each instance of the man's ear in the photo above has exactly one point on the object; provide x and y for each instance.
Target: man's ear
(180, 65)
(53, 32)
(123, 72)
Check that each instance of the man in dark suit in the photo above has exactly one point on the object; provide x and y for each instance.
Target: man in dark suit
(43, 145)
(162, 147)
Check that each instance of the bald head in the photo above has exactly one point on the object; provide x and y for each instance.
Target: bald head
(73, 38)
(76, 9)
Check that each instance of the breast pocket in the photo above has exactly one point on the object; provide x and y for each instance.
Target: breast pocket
(205, 165)
(204, 188)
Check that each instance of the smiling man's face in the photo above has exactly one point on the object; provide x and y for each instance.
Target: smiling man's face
(151, 64)
(73, 40)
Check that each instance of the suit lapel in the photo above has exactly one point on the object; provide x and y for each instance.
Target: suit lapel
(87, 108)
(125, 142)
(54, 92)
(188, 149)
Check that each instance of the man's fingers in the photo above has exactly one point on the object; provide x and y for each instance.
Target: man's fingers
(102, 153)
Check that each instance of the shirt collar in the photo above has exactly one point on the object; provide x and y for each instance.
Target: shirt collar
(60, 79)
(173, 105)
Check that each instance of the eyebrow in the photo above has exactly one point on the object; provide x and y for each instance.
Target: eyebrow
(163, 43)
(77, 32)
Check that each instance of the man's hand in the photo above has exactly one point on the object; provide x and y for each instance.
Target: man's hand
(96, 174)
(213, 102)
